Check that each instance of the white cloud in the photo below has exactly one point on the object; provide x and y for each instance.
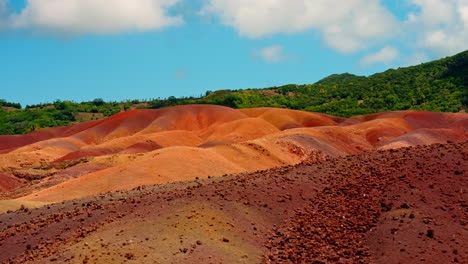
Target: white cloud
(95, 16)
(346, 25)
(3, 14)
(441, 26)
(386, 55)
(415, 59)
(272, 54)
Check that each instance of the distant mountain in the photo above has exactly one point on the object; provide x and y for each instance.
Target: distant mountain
(340, 78)
(439, 86)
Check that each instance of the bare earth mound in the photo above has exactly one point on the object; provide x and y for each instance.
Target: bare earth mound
(405, 205)
(144, 147)
(237, 186)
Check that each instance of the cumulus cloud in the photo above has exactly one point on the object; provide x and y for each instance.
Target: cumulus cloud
(345, 25)
(386, 55)
(441, 26)
(95, 16)
(271, 54)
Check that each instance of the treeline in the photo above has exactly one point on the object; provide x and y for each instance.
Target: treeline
(440, 86)
(9, 104)
(59, 113)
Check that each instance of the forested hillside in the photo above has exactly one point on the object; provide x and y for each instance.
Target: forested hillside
(440, 86)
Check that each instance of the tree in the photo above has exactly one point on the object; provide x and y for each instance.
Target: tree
(98, 102)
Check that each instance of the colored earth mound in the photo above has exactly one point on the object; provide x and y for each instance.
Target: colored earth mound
(146, 147)
(405, 205)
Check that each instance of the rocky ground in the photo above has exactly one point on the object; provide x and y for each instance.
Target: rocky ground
(404, 205)
(148, 146)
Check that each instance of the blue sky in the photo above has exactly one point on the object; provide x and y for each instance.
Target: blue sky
(139, 49)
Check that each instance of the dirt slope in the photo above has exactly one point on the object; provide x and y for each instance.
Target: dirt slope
(144, 147)
(405, 205)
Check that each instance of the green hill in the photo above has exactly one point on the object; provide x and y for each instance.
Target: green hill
(440, 86)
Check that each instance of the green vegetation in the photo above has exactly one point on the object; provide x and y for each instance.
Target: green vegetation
(440, 86)
(9, 104)
(60, 113)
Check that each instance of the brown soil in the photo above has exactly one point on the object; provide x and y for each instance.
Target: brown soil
(9, 108)
(404, 205)
(144, 147)
(85, 116)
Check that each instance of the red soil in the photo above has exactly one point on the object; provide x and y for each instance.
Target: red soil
(12, 142)
(407, 207)
(86, 153)
(397, 206)
(148, 146)
(286, 118)
(9, 182)
(425, 136)
(141, 147)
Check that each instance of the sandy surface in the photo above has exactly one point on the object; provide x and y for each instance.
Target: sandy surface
(144, 147)
(405, 205)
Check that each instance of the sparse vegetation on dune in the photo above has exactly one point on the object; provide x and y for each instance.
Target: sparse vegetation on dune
(439, 86)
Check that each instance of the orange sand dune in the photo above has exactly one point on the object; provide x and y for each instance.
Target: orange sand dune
(191, 117)
(424, 136)
(142, 147)
(161, 166)
(179, 164)
(398, 206)
(239, 130)
(39, 152)
(137, 144)
(135, 122)
(286, 118)
(11, 142)
(379, 131)
(420, 119)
